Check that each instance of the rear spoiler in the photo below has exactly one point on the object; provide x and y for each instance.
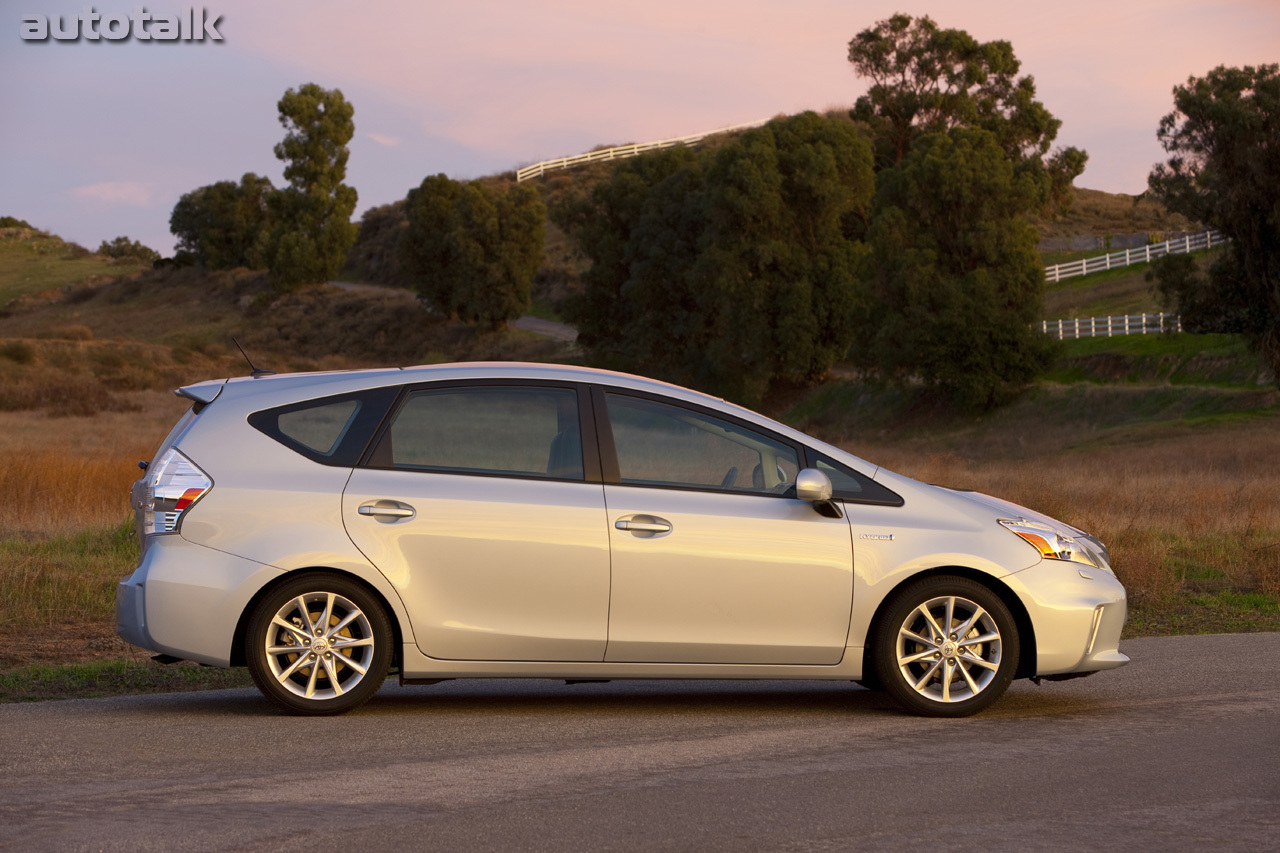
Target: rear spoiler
(202, 393)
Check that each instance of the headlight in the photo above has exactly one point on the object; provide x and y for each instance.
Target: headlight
(1054, 544)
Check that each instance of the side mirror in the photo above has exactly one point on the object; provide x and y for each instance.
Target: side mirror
(812, 485)
(815, 487)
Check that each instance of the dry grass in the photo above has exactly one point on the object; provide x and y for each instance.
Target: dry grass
(64, 372)
(65, 534)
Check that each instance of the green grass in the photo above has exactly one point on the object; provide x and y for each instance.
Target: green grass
(97, 679)
(544, 311)
(64, 578)
(1183, 345)
(1223, 361)
(1226, 612)
(32, 262)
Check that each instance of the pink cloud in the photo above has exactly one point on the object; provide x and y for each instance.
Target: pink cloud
(116, 193)
(388, 141)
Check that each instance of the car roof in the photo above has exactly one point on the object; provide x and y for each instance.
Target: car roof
(250, 393)
(311, 384)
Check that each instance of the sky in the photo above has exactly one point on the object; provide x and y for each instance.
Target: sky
(100, 138)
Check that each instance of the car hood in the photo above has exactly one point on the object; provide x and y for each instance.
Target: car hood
(1006, 509)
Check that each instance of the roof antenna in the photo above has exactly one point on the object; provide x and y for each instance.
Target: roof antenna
(255, 372)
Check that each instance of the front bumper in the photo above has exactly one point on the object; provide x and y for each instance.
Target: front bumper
(186, 600)
(1078, 612)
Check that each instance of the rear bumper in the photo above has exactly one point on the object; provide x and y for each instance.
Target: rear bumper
(131, 613)
(186, 600)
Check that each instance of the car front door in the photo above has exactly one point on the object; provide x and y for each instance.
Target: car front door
(714, 559)
(477, 504)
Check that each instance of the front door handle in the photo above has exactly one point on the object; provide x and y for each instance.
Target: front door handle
(643, 524)
(386, 511)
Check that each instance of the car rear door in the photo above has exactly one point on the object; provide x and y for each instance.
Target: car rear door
(480, 505)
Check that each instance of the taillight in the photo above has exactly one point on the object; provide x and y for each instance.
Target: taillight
(174, 484)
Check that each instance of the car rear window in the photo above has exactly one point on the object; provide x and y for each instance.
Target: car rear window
(320, 428)
(330, 430)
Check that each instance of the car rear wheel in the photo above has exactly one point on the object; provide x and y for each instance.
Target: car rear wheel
(318, 644)
(946, 647)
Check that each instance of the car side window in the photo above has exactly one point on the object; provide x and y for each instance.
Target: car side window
(848, 484)
(522, 431)
(658, 444)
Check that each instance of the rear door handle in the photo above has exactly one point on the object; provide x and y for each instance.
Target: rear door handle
(387, 510)
(643, 524)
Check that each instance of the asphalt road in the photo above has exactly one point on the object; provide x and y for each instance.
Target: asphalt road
(1179, 750)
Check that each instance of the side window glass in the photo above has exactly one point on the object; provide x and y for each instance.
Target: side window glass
(848, 484)
(514, 431)
(319, 428)
(663, 445)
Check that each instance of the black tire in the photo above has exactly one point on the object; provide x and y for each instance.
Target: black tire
(339, 629)
(935, 675)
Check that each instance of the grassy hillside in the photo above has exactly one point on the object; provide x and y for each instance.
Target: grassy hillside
(1102, 213)
(33, 262)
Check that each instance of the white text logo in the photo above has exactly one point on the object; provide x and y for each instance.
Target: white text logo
(195, 24)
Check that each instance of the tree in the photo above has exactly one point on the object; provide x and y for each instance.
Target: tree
(1223, 138)
(471, 251)
(925, 79)
(956, 283)
(224, 225)
(726, 270)
(313, 228)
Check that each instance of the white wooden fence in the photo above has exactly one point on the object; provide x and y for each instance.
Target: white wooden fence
(621, 152)
(1140, 255)
(1097, 327)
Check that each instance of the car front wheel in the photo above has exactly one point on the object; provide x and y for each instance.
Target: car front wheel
(318, 644)
(946, 647)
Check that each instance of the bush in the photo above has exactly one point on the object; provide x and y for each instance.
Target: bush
(68, 333)
(375, 256)
(224, 225)
(472, 251)
(19, 352)
(124, 248)
(13, 222)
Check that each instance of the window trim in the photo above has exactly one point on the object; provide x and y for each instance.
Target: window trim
(586, 426)
(609, 452)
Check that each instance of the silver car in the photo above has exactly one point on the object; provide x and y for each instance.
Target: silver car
(543, 521)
